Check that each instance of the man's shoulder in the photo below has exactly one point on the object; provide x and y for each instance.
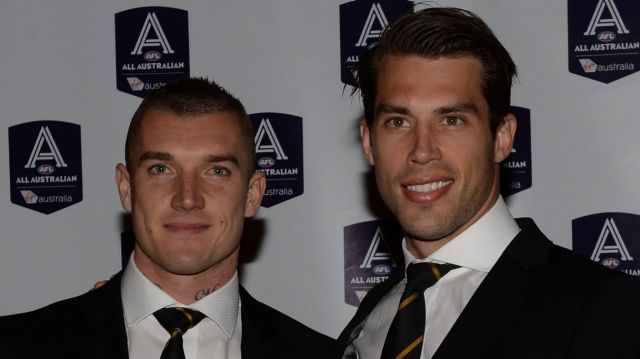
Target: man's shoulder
(598, 303)
(70, 328)
(52, 310)
(571, 274)
(261, 311)
(277, 328)
(60, 312)
(583, 271)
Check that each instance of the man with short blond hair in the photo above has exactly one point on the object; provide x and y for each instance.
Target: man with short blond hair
(189, 182)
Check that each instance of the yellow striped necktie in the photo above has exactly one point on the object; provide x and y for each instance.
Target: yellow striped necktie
(176, 320)
(406, 334)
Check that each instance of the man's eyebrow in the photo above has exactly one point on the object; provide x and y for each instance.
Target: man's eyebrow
(160, 156)
(164, 156)
(463, 107)
(222, 158)
(387, 109)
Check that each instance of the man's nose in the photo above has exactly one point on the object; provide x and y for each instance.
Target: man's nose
(425, 147)
(188, 193)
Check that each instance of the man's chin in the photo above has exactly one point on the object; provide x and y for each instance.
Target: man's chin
(184, 264)
(431, 232)
(184, 269)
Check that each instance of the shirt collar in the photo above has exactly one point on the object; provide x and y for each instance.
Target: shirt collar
(480, 245)
(141, 298)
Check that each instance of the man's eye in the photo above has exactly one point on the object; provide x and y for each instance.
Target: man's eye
(158, 169)
(452, 121)
(220, 171)
(399, 122)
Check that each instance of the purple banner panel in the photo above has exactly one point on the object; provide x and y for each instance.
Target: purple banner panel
(152, 48)
(361, 23)
(609, 238)
(279, 150)
(367, 261)
(45, 160)
(515, 175)
(604, 38)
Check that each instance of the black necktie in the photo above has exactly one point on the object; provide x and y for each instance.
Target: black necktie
(176, 321)
(405, 336)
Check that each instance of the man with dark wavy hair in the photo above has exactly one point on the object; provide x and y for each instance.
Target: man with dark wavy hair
(475, 282)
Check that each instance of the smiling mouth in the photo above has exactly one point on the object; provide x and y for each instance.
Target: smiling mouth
(429, 187)
(186, 227)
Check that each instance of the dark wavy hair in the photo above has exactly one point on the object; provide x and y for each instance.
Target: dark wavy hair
(435, 32)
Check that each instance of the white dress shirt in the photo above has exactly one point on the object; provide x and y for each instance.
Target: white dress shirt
(216, 336)
(475, 250)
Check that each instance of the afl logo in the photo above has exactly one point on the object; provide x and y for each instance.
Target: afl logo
(46, 169)
(606, 36)
(381, 269)
(266, 162)
(610, 262)
(152, 55)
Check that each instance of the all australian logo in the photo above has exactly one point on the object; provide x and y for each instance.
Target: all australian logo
(610, 239)
(152, 48)
(278, 139)
(604, 38)
(361, 23)
(516, 169)
(46, 165)
(367, 260)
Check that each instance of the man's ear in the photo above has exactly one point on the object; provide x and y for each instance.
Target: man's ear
(123, 182)
(505, 133)
(365, 137)
(257, 184)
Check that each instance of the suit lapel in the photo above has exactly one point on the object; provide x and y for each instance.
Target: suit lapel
(495, 306)
(257, 337)
(103, 323)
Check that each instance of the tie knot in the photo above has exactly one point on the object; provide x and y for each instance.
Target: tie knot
(421, 276)
(178, 319)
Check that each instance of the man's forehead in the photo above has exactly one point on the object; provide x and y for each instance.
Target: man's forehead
(411, 67)
(450, 81)
(452, 56)
(164, 123)
(161, 113)
(206, 137)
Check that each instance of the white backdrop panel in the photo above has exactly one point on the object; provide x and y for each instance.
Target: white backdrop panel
(58, 63)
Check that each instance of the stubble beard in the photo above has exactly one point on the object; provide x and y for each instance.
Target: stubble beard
(421, 223)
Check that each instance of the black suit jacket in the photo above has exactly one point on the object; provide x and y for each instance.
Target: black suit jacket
(538, 301)
(92, 326)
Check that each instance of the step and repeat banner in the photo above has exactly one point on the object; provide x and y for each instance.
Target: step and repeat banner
(73, 72)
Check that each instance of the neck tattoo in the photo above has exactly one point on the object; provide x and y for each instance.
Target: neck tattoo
(205, 292)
